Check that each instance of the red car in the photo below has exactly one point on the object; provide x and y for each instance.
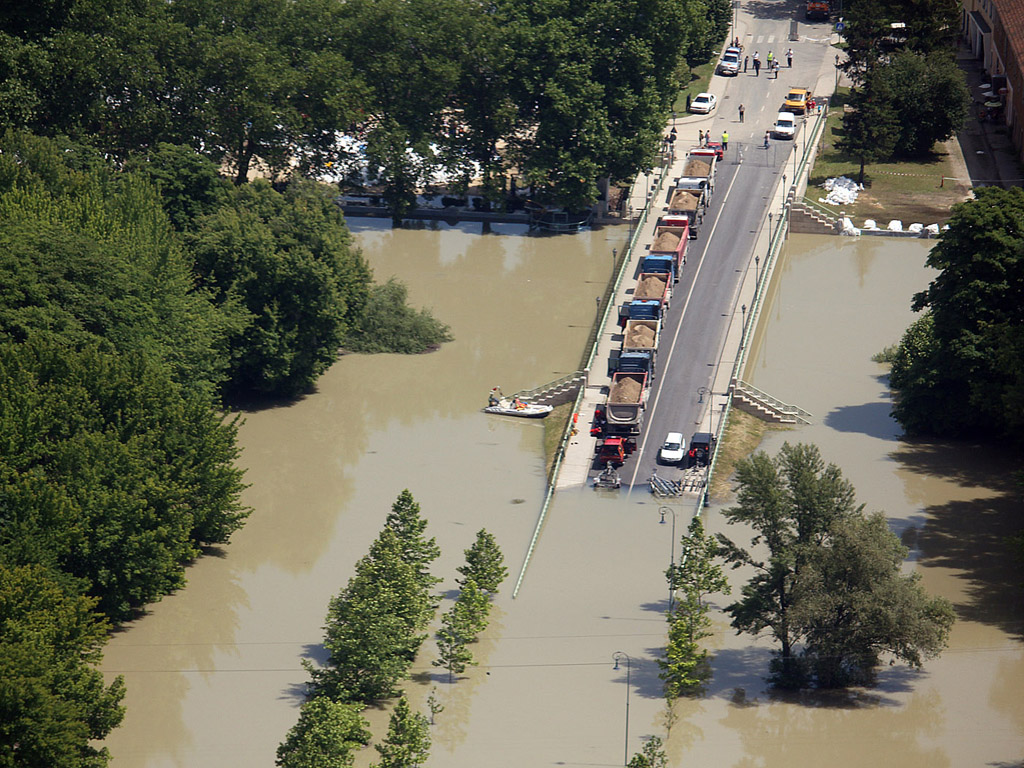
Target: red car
(717, 146)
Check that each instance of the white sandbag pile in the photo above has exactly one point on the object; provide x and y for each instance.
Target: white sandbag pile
(895, 226)
(870, 224)
(848, 228)
(841, 191)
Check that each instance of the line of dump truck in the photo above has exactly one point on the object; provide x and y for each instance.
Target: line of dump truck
(632, 367)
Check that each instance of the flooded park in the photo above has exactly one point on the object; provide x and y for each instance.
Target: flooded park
(214, 672)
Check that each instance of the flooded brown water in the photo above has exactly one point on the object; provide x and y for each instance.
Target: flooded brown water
(214, 672)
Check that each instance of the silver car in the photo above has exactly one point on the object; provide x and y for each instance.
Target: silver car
(730, 63)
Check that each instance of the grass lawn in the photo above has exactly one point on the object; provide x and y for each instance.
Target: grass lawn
(554, 427)
(911, 191)
(699, 79)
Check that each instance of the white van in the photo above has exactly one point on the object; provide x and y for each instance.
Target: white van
(785, 126)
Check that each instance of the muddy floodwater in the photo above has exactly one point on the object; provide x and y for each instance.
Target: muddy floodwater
(214, 673)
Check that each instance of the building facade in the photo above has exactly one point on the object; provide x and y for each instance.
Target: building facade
(994, 31)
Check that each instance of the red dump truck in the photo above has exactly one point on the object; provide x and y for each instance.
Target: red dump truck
(654, 286)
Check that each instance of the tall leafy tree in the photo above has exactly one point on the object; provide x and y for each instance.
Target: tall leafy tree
(960, 369)
(375, 625)
(923, 26)
(54, 704)
(287, 259)
(853, 605)
(871, 129)
(114, 475)
(453, 638)
(327, 733)
(484, 563)
(406, 521)
(407, 744)
(697, 575)
(832, 578)
(790, 502)
(897, 87)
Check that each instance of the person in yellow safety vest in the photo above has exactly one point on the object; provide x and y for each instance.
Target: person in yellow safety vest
(725, 140)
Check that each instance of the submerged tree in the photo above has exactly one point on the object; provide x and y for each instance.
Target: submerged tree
(826, 565)
(697, 575)
(959, 370)
(327, 733)
(407, 744)
(485, 564)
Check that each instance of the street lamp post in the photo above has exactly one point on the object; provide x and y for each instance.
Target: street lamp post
(615, 259)
(837, 71)
(616, 656)
(757, 262)
(672, 556)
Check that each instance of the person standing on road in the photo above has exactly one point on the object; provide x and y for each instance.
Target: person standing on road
(725, 140)
(746, 60)
(757, 64)
(771, 58)
(766, 135)
(789, 58)
(741, 113)
(700, 138)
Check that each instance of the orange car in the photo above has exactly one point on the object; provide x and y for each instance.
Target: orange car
(796, 100)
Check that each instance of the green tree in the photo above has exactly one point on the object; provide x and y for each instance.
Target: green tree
(327, 733)
(871, 129)
(452, 640)
(409, 527)
(651, 755)
(790, 502)
(471, 609)
(119, 476)
(897, 87)
(853, 604)
(832, 579)
(407, 744)
(460, 627)
(375, 625)
(871, 39)
(389, 324)
(86, 252)
(697, 575)
(960, 369)
(54, 704)
(288, 260)
(484, 563)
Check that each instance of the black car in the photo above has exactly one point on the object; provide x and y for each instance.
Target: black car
(700, 448)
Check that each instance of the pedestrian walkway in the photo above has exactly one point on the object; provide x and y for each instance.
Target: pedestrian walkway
(987, 151)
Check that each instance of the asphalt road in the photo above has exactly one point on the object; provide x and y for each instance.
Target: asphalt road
(705, 298)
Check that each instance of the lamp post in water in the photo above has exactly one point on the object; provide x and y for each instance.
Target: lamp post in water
(672, 557)
(616, 656)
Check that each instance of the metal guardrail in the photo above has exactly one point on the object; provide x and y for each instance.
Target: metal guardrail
(589, 360)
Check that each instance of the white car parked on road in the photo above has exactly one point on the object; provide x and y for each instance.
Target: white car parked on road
(785, 126)
(674, 449)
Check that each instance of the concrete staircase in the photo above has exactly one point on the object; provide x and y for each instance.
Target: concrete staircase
(767, 408)
(557, 392)
(805, 220)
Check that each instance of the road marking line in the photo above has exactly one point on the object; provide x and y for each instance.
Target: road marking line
(649, 415)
